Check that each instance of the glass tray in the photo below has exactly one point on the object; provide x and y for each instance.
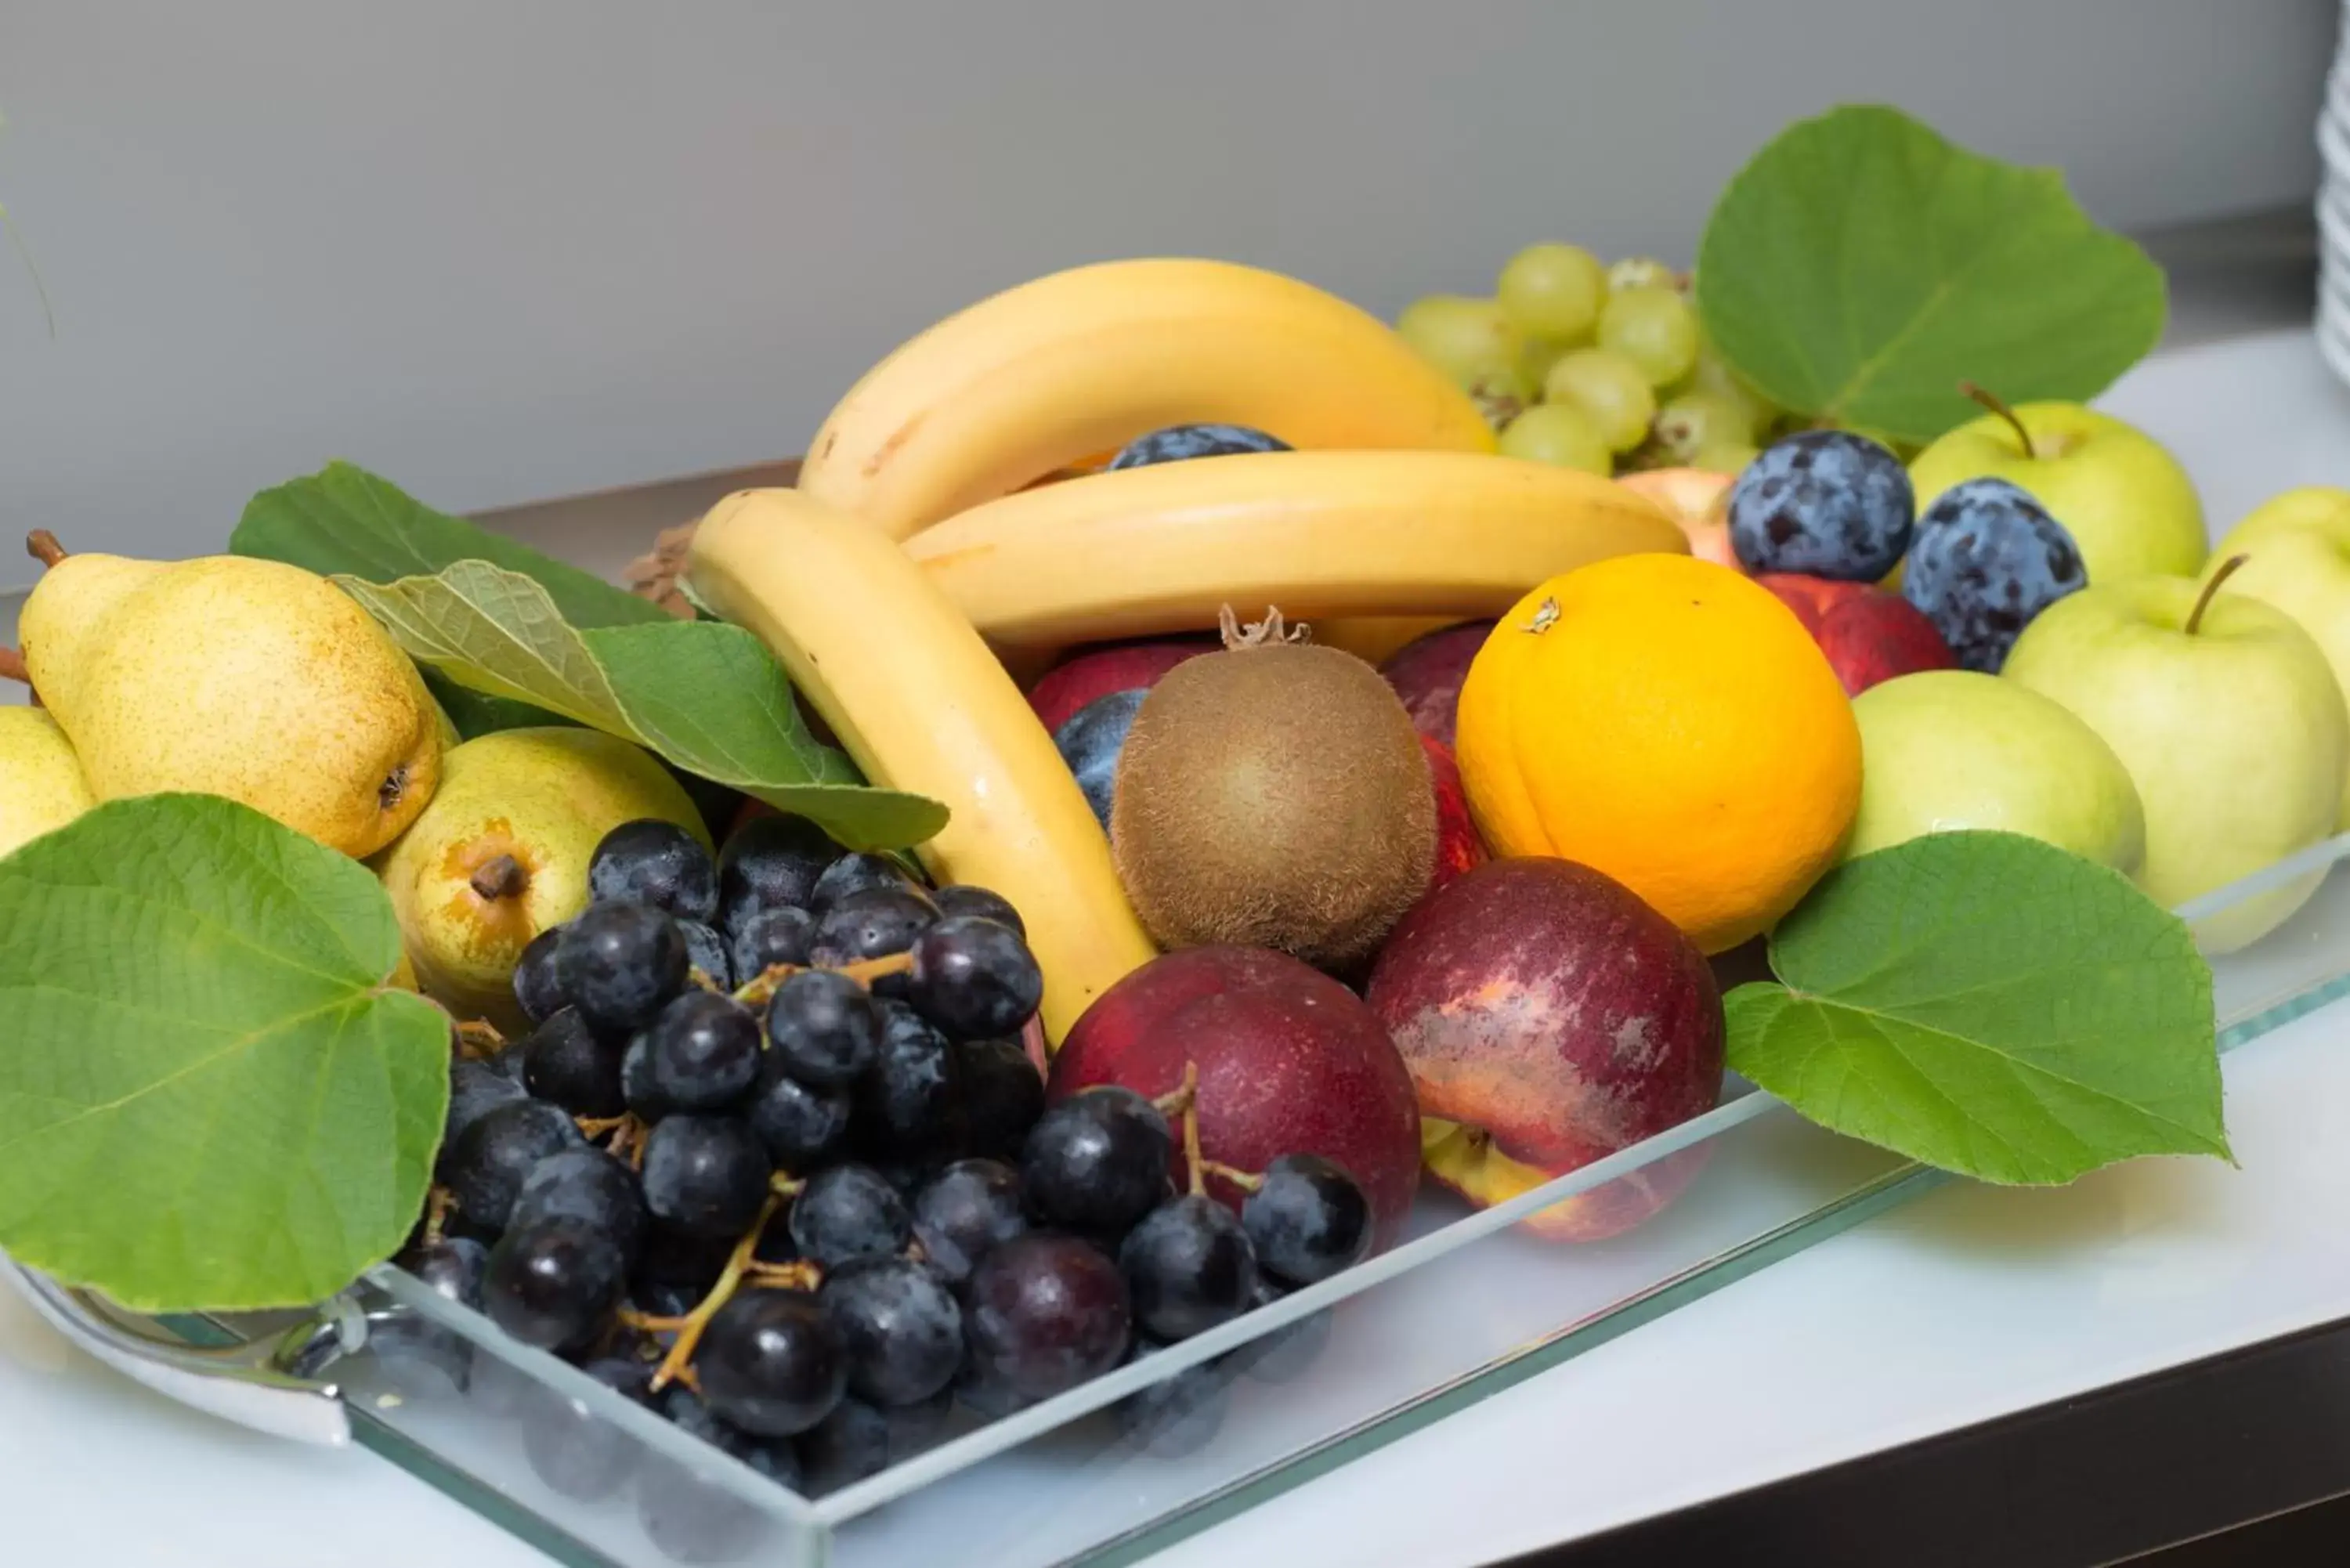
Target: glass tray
(1468, 1305)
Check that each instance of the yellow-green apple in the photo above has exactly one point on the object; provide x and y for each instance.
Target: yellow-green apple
(1549, 1019)
(2126, 502)
(1950, 749)
(2228, 720)
(2297, 557)
(1698, 499)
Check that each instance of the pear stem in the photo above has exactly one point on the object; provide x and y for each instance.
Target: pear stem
(1998, 405)
(2210, 590)
(12, 665)
(503, 877)
(43, 546)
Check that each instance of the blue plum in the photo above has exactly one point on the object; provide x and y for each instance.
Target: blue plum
(1090, 742)
(1828, 504)
(1988, 558)
(1177, 443)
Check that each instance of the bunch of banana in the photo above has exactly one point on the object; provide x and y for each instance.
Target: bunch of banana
(1391, 508)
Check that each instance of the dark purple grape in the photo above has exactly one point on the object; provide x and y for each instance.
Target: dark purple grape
(536, 987)
(1044, 1313)
(676, 1258)
(1307, 1220)
(665, 1300)
(771, 1363)
(803, 1128)
(705, 950)
(854, 874)
(847, 1212)
(974, 979)
(1002, 1097)
(620, 964)
(495, 1152)
(417, 1355)
(588, 1185)
(1189, 1267)
(1097, 1163)
(1280, 1355)
(702, 1054)
(451, 1268)
(964, 1210)
(873, 923)
(475, 1089)
(569, 1064)
(783, 935)
(823, 1029)
(970, 898)
(1178, 1415)
(899, 1326)
(553, 1284)
(858, 1439)
(649, 861)
(690, 1517)
(907, 1101)
(577, 1451)
(770, 863)
(706, 1176)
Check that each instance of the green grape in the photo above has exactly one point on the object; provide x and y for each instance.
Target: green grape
(1554, 292)
(1610, 391)
(1504, 393)
(1726, 457)
(1712, 374)
(1540, 356)
(1462, 337)
(1557, 433)
(1640, 272)
(1653, 328)
(1688, 423)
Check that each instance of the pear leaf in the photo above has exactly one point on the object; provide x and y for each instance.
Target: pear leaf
(1860, 267)
(707, 696)
(1990, 1004)
(344, 520)
(475, 714)
(209, 1098)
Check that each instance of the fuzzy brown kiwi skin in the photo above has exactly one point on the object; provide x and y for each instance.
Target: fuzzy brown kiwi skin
(1275, 797)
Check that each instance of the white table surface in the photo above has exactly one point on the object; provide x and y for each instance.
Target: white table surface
(1970, 1304)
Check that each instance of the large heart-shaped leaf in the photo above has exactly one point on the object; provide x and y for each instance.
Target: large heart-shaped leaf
(209, 1098)
(344, 520)
(1990, 1004)
(1861, 267)
(705, 695)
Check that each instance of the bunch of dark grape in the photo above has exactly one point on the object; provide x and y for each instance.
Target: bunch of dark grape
(775, 1163)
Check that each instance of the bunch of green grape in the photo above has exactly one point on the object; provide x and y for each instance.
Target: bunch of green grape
(1599, 368)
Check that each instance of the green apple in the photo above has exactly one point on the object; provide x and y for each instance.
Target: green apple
(1947, 749)
(2228, 720)
(2296, 550)
(2125, 500)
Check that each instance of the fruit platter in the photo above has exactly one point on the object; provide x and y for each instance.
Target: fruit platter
(1217, 879)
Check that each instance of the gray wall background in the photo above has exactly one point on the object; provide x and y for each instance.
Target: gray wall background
(509, 249)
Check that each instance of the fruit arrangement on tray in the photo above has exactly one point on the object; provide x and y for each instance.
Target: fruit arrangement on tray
(1185, 761)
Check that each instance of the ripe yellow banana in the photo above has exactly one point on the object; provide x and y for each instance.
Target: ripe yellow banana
(1163, 548)
(1046, 373)
(921, 705)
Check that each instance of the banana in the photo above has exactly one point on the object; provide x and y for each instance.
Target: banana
(1045, 374)
(1164, 549)
(921, 705)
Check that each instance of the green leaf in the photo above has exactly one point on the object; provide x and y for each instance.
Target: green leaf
(1861, 266)
(476, 714)
(345, 521)
(1990, 1004)
(706, 695)
(209, 1099)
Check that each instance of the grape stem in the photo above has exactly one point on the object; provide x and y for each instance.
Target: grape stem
(477, 1039)
(1184, 1102)
(1247, 1180)
(690, 1328)
(597, 1126)
(759, 990)
(438, 1201)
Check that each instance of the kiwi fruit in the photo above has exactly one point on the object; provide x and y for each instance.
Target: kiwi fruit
(1275, 796)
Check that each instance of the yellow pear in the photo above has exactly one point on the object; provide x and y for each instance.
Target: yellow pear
(233, 677)
(500, 854)
(41, 787)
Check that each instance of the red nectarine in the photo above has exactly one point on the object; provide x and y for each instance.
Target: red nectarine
(1099, 670)
(1427, 674)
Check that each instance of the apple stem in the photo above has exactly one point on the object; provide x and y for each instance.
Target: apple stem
(43, 546)
(2228, 568)
(1998, 405)
(503, 877)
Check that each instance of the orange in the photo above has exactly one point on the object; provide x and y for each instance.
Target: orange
(1670, 723)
